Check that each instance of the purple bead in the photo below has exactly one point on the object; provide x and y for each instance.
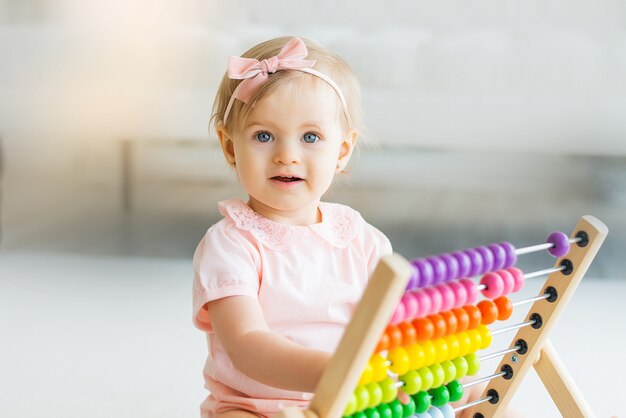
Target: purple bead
(414, 280)
(476, 261)
(511, 257)
(464, 263)
(452, 267)
(487, 257)
(425, 272)
(499, 256)
(439, 269)
(560, 242)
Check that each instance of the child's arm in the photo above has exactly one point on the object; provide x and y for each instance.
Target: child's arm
(260, 354)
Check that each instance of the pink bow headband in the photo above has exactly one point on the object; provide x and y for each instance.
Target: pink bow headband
(254, 73)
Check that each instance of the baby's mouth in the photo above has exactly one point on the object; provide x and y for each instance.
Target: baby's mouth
(286, 179)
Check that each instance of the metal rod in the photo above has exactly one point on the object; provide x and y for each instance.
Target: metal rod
(498, 353)
(540, 247)
(536, 298)
(470, 404)
(512, 327)
(484, 379)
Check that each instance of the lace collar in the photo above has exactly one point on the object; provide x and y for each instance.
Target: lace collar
(338, 225)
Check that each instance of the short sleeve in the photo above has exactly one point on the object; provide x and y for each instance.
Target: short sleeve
(226, 263)
(380, 246)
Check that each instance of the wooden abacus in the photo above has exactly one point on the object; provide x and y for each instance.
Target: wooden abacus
(393, 296)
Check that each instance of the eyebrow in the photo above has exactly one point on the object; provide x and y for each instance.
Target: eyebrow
(264, 123)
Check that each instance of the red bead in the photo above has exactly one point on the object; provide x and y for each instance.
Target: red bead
(462, 319)
(439, 324)
(505, 307)
(474, 316)
(409, 336)
(395, 337)
(488, 311)
(424, 328)
(451, 322)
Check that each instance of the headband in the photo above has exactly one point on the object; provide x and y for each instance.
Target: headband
(254, 73)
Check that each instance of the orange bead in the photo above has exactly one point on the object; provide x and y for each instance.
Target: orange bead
(505, 307)
(462, 319)
(424, 328)
(439, 324)
(395, 337)
(488, 311)
(409, 336)
(383, 344)
(474, 316)
(451, 322)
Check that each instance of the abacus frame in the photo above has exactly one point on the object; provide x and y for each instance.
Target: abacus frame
(386, 287)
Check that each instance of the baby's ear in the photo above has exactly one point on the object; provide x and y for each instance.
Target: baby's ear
(226, 142)
(346, 148)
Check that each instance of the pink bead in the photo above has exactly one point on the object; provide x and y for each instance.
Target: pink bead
(410, 305)
(460, 294)
(435, 299)
(507, 280)
(472, 292)
(518, 276)
(494, 283)
(447, 297)
(398, 314)
(423, 303)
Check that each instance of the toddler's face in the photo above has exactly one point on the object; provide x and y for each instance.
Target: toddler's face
(289, 150)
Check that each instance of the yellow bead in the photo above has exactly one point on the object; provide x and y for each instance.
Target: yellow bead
(416, 356)
(485, 336)
(366, 376)
(442, 350)
(399, 361)
(453, 346)
(475, 339)
(429, 352)
(379, 368)
(464, 343)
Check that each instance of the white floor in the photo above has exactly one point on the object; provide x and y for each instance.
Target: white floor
(112, 337)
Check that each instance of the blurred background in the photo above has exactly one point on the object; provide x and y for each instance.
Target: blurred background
(488, 121)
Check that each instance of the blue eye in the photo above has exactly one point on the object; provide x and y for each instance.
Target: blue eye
(263, 136)
(310, 138)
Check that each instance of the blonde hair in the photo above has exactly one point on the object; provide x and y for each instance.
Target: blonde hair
(325, 61)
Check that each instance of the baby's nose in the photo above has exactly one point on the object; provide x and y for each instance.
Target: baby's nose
(287, 153)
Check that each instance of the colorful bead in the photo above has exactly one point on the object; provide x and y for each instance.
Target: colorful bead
(371, 413)
(414, 280)
(473, 364)
(438, 374)
(439, 269)
(519, 278)
(389, 388)
(440, 395)
(383, 343)
(460, 294)
(351, 406)
(430, 352)
(455, 389)
(485, 336)
(476, 261)
(424, 328)
(451, 321)
(488, 311)
(505, 307)
(439, 325)
(422, 415)
(510, 257)
(446, 411)
(449, 371)
(412, 382)
(560, 243)
(435, 412)
(448, 297)
(425, 272)
(399, 360)
(463, 262)
(487, 258)
(475, 339)
(462, 319)
(408, 408)
(384, 411)
(441, 347)
(427, 377)
(395, 337)
(472, 291)
(452, 267)
(367, 375)
(424, 304)
(410, 305)
(422, 401)
(461, 367)
(362, 397)
(499, 256)
(453, 346)
(474, 316)
(435, 299)
(376, 394)
(416, 356)
(359, 414)
(379, 367)
(396, 408)
(398, 314)
(465, 343)
(409, 336)
(494, 285)
(507, 280)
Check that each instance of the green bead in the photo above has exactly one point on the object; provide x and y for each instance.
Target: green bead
(371, 413)
(359, 414)
(456, 390)
(422, 401)
(438, 375)
(390, 391)
(412, 382)
(384, 411)
(376, 394)
(473, 364)
(362, 398)
(461, 367)
(396, 408)
(427, 378)
(351, 407)
(449, 371)
(408, 409)
(440, 395)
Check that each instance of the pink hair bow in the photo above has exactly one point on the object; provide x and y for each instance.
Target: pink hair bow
(254, 72)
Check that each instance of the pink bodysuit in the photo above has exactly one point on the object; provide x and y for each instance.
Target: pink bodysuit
(307, 280)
